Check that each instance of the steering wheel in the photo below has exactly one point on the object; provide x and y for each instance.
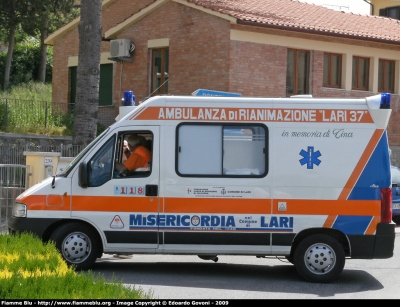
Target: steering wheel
(100, 179)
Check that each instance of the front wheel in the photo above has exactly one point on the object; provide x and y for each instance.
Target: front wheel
(319, 258)
(78, 243)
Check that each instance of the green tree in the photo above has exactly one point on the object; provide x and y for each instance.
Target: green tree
(36, 18)
(44, 16)
(25, 62)
(88, 73)
(11, 14)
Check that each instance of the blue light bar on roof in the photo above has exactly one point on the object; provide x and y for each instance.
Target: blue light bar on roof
(385, 101)
(203, 92)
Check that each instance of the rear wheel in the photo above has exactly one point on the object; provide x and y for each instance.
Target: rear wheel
(78, 243)
(396, 219)
(319, 258)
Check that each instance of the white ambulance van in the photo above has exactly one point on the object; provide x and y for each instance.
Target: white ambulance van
(298, 178)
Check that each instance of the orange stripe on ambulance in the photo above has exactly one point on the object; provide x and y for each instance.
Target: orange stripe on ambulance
(299, 178)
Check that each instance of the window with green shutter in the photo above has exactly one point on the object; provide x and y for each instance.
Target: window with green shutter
(105, 87)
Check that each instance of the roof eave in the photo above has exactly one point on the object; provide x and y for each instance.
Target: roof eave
(68, 27)
(113, 32)
(319, 32)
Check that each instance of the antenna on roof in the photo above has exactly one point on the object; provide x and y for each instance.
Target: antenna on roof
(337, 7)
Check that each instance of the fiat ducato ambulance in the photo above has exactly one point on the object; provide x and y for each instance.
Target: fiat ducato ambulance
(299, 178)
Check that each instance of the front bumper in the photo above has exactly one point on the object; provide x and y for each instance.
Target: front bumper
(36, 226)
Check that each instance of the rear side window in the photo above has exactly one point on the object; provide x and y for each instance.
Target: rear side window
(395, 176)
(220, 150)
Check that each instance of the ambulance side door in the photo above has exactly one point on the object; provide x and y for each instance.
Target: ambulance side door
(218, 192)
(123, 208)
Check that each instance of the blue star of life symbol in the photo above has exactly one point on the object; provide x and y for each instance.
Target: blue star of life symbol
(310, 157)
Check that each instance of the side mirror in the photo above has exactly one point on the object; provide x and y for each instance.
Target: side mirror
(83, 175)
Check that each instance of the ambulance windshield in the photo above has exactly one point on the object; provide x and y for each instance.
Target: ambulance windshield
(75, 161)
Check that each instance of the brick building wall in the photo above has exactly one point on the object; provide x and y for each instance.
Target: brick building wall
(256, 69)
(68, 44)
(118, 11)
(199, 51)
(64, 47)
(202, 55)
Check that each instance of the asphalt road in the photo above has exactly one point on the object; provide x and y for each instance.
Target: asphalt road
(247, 277)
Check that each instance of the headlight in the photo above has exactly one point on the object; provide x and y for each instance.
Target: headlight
(19, 210)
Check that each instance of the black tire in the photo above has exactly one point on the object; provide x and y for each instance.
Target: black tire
(319, 258)
(78, 244)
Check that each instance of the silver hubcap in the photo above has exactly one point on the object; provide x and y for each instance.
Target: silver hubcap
(76, 247)
(320, 258)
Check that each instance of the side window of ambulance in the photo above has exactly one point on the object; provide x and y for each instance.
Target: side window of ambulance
(100, 166)
(144, 142)
(217, 150)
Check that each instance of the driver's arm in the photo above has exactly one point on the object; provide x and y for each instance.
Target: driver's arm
(134, 161)
(121, 167)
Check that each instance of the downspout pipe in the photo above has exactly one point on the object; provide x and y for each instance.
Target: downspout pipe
(372, 6)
